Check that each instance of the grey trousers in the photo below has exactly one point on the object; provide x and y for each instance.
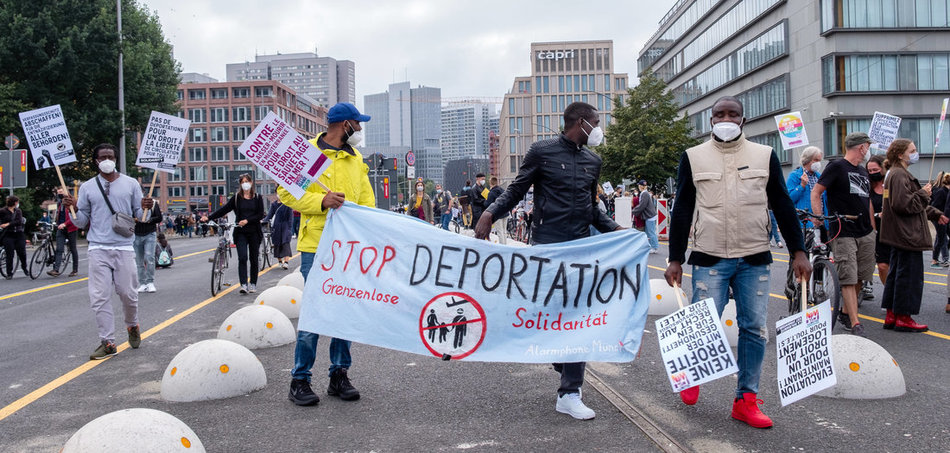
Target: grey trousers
(572, 377)
(112, 270)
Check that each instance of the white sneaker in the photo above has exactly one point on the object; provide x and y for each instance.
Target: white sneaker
(142, 288)
(283, 265)
(653, 251)
(252, 288)
(243, 289)
(150, 288)
(571, 404)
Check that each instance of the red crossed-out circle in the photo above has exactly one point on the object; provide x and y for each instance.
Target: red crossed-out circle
(449, 296)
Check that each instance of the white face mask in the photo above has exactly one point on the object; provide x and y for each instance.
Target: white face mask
(815, 167)
(246, 185)
(914, 157)
(419, 188)
(355, 138)
(596, 135)
(107, 166)
(726, 131)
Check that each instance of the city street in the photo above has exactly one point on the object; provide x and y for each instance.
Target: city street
(414, 403)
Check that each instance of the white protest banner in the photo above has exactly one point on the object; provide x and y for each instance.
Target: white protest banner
(791, 129)
(285, 155)
(803, 341)
(608, 187)
(694, 346)
(49, 140)
(393, 281)
(164, 139)
(884, 129)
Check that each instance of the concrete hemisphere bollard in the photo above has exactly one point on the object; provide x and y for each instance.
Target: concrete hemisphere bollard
(139, 429)
(212, 369)
(294, 279)
(287, 299)
(730, 325)
(864, 370)
(663, 299)
(258, 326)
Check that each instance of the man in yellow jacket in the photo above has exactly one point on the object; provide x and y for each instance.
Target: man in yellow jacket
(347, 178)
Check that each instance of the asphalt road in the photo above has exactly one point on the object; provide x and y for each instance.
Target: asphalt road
(49, 389)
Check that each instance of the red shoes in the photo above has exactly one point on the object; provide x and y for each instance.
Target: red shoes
(747, 410)
(889, 320)
(690, 395)
(904, 323)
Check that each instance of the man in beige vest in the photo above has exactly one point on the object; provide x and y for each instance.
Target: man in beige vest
(725, 188)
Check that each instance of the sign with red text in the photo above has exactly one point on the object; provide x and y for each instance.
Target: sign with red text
(694, 346)
(285, 155)
(164, 139)
(393, 281)
(803, 342)
(48, 137)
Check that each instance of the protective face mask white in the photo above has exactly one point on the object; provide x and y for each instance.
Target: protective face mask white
(246, 185)
(914, 157)
(815, 167)
(726, 131)
(595, 137)
(107, 166)
(355, 138)
(420, 188)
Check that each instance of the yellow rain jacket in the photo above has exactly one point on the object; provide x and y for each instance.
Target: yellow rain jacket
(348, 174)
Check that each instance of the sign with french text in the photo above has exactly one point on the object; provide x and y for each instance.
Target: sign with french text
(392, 281)
(803, 342)
(48, 137)
(791, 129)
(884, 129)
(285, 155)
(164, 139)
(694, 346)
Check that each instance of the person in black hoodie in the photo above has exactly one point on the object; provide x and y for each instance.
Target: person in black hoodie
(248, 209)
(144, 244)
(12, 222)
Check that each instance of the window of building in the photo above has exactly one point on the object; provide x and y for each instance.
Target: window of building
(197, 154)
(766, 99)
(260, 112)
(240, 114)
(176, 192)
(263, 92)
(243, 92)
(219, 173)
(197, 115)
(199, 191)
(772, 139)
(238, 155)
(675, 31)
(197, 135)
(197, 94)
(241, 133)
(539, 108)
(219, 115)
(865, 14)
(180, 95)
(875, 73)
(219, 134)
(180, 113)
(219, 190)
(198, 173)
(176, 176)
(219, 93)
(922, 131)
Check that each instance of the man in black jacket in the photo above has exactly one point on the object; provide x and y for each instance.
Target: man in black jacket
(477, 195)
(565, 176)
(501, 221)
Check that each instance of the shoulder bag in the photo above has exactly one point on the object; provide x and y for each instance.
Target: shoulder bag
(122, 223)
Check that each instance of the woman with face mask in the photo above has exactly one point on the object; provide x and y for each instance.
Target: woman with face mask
(421, 204)
(248, 209)
(938, 199)
(14, 239)
(905, 211)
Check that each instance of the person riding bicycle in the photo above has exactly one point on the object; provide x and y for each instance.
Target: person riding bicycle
(66, 231)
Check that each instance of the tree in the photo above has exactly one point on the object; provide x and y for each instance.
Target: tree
(646, 138)
(66, 52)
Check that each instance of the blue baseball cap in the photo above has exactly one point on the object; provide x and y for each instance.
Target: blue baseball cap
(345, 111)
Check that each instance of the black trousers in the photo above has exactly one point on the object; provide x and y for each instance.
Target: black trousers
(15, 241)
(572, 377)
(61, 237)
(905, 282)
(247, 242)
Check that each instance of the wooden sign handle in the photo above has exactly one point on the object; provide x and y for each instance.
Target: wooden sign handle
(72, 210)
(147, 213)
(679, 297)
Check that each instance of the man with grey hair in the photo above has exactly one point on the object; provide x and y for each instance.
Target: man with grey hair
(799, 184)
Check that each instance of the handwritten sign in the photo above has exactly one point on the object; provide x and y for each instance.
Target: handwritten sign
(48, 137)
(791, 130)
(163, 142)
(803, 341)
(884, 129)
(694, 346)
(285, 155)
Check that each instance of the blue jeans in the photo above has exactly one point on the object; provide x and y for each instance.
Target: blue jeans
(773, 234)
(445, 221)
(305, 353)
(750, 287)
(650, 230)
(144, 247)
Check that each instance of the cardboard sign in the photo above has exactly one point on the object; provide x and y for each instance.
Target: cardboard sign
(884, 129)
(163, 142)
(694, 346)
(396, 282)
(48, 137)
(285, 155)
(791, 129)
(803, 341)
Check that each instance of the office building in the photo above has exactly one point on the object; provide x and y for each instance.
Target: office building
(222, 115)
(466, 126)
(325, 79)
(561, 73)
(406, 118)
(835, 61)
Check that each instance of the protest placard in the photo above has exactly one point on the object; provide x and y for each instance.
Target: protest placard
(943, 117)
(285, 155)
(164, 139)
(884, 129)
(46, 132)
(608, 187)
(791, 129)
(418, 289)
(803, 342)
(694, 346)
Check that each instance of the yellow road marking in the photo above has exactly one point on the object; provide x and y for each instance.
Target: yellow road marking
(31, 397)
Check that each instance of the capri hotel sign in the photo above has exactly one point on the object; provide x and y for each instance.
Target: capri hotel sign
(555, 54)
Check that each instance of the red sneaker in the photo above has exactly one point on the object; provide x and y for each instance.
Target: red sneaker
(747, 410)
(906, 324)
(889, 320)
(690, 395)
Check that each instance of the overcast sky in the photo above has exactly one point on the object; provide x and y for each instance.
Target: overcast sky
(466, 48)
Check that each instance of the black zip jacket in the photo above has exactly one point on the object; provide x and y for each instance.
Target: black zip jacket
(565, 178)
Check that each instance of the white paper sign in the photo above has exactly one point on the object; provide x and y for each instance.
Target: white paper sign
(694, 346)
(884, 129)
(163, 142)
(622, 211)
(791, 129)
(48, 137)
(285, 155)
(803, 341)
(608, 187)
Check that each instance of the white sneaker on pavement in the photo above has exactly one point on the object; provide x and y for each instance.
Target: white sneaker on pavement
(243, 289)
(252, 288)
(150, 288)
(571, 404)
(142, 288)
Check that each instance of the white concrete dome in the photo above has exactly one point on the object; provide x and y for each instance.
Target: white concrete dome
(864, 370)
(730, 324)
(287, 299)
(212, 369)
(258, 326)
(663, 298)
(294, 279)
(139, 429)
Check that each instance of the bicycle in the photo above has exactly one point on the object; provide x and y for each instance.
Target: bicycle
(45, 252)
(3, 255)
(823, 284)
(267, 246)
(219, 262)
